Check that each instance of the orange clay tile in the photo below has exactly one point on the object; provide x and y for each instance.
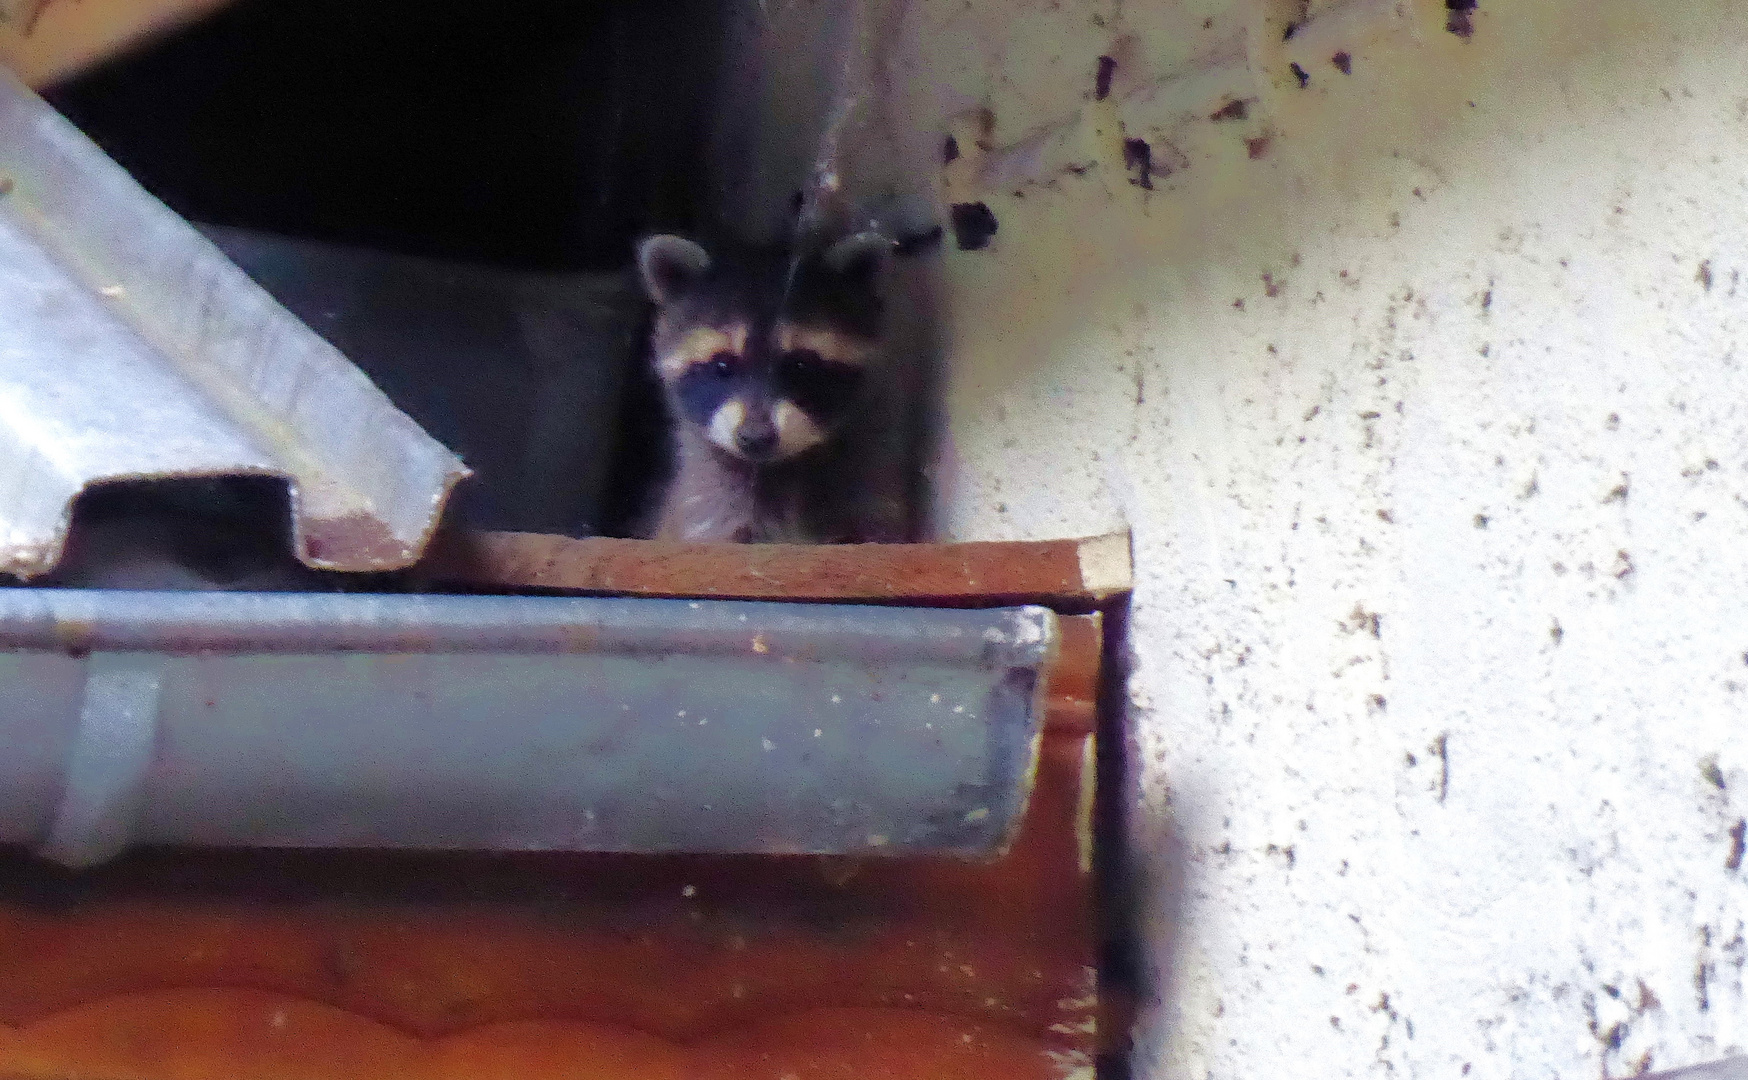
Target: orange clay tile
(171, 966)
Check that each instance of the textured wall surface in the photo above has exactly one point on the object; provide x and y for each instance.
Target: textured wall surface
(1423, 389)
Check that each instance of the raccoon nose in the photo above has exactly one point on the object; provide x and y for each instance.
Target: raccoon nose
(756, 439)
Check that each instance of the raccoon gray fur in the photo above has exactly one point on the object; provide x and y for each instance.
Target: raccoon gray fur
(780, 393)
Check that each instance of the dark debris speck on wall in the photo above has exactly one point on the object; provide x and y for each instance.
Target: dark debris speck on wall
(974, 225)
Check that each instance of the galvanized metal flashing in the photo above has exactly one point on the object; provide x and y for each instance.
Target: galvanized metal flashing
(131, 348)
(513, 723)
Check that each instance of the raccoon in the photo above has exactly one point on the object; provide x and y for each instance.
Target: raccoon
(777, 388)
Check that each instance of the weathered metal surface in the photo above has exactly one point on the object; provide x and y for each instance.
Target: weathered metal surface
(131, 348)
(526, 723)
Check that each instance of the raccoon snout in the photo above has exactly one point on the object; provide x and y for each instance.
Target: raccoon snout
(756, 437)
(763, 434)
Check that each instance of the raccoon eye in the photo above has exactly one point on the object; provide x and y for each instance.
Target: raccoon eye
(821, 387)
(722, 365)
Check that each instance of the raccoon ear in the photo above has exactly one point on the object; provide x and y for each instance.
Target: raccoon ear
(669, 265)
(858, 257)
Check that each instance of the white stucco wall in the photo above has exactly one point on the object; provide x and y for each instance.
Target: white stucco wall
(1439, 626)
(1424, 390)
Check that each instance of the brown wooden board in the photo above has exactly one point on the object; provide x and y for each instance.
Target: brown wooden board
(1073, 683)
(1067, 574)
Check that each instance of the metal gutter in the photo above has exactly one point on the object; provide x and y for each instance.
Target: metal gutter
(131, 348)
(513, 723)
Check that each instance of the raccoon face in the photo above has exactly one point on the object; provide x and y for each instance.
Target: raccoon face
(766, 359)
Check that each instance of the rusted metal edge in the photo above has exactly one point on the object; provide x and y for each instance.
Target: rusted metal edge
(132, 349)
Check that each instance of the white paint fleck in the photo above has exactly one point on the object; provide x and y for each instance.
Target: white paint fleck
(1072, 1064)
(1032, 625)
(1105, 564)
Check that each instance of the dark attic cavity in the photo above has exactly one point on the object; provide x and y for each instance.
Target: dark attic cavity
(1459, 17)
(973, 225)
(950, 151)
(1138, 159)
(1235, 109)
(1343, 62)
(918, 242)
(547, 143)
(1102, 82)
(1301, 74)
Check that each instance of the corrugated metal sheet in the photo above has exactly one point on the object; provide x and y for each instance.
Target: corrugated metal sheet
(523, 373)
(131, 348)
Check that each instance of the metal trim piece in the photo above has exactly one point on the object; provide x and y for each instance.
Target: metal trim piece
(112, 751)
(515, 723)
(133, 349)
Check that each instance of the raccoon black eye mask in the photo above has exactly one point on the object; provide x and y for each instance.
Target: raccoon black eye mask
(765, 408)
